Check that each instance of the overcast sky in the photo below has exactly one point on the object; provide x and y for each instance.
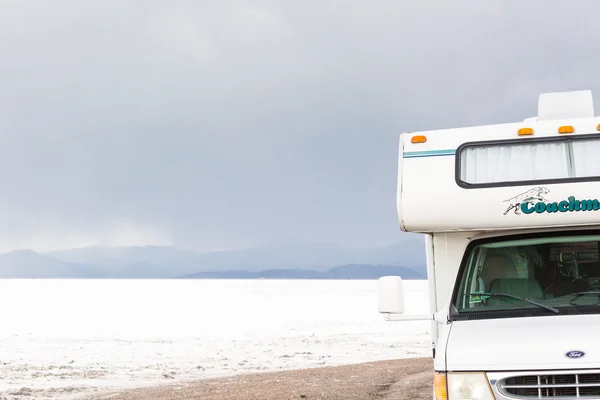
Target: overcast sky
(215, 125)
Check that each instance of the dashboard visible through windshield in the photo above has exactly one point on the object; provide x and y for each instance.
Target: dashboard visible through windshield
(545, 275)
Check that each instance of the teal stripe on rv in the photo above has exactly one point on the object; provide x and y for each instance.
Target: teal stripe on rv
(428, 153)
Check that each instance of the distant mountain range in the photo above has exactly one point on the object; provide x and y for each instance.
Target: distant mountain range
(350, 271)
(288, 260)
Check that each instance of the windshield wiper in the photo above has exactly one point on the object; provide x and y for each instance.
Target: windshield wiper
(554, 310)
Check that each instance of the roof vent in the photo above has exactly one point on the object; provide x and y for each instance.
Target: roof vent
(561, 105)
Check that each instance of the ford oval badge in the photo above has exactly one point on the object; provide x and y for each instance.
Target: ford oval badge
(574, 354)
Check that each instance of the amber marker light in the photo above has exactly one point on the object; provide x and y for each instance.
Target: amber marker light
(525, 131)
(566, 129)
(440, 386)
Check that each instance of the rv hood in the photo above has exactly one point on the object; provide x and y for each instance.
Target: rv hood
(524, 343)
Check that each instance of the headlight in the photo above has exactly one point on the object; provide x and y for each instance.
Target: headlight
(462, 386)
(469, 386)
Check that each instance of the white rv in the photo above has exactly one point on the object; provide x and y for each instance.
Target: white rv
(511, 217)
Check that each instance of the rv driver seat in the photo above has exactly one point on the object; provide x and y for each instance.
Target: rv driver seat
(508, 281)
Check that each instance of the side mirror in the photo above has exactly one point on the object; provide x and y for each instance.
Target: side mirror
(391, 295)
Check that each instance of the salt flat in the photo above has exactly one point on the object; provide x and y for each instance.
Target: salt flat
(65, 339)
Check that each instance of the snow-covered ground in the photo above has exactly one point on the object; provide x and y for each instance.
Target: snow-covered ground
(65, 339)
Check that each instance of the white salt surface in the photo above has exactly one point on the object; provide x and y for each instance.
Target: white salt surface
(66, 339)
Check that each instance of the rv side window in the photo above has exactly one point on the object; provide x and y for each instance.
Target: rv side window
(585, 154)
(528, 161)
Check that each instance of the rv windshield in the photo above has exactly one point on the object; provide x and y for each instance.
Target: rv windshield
(543, 275)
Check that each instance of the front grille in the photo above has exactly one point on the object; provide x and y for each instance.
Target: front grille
(581, 385)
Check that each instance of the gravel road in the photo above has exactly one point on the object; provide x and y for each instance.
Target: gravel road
(382, 380)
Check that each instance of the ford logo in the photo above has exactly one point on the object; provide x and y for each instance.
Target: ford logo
(574, 354)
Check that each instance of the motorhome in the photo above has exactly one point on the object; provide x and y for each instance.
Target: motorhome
(511, 219)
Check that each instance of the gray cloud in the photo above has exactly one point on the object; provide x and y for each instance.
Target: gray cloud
(225, 124)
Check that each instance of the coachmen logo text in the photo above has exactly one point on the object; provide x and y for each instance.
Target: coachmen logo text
(534, 202)
(569, 205)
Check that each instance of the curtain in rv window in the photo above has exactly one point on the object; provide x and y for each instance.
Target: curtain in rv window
(531, 161)
(585, 157)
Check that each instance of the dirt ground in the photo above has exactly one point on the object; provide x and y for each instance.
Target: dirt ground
(397, 379)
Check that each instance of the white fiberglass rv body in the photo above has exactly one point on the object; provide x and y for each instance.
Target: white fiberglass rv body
(511, 217)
